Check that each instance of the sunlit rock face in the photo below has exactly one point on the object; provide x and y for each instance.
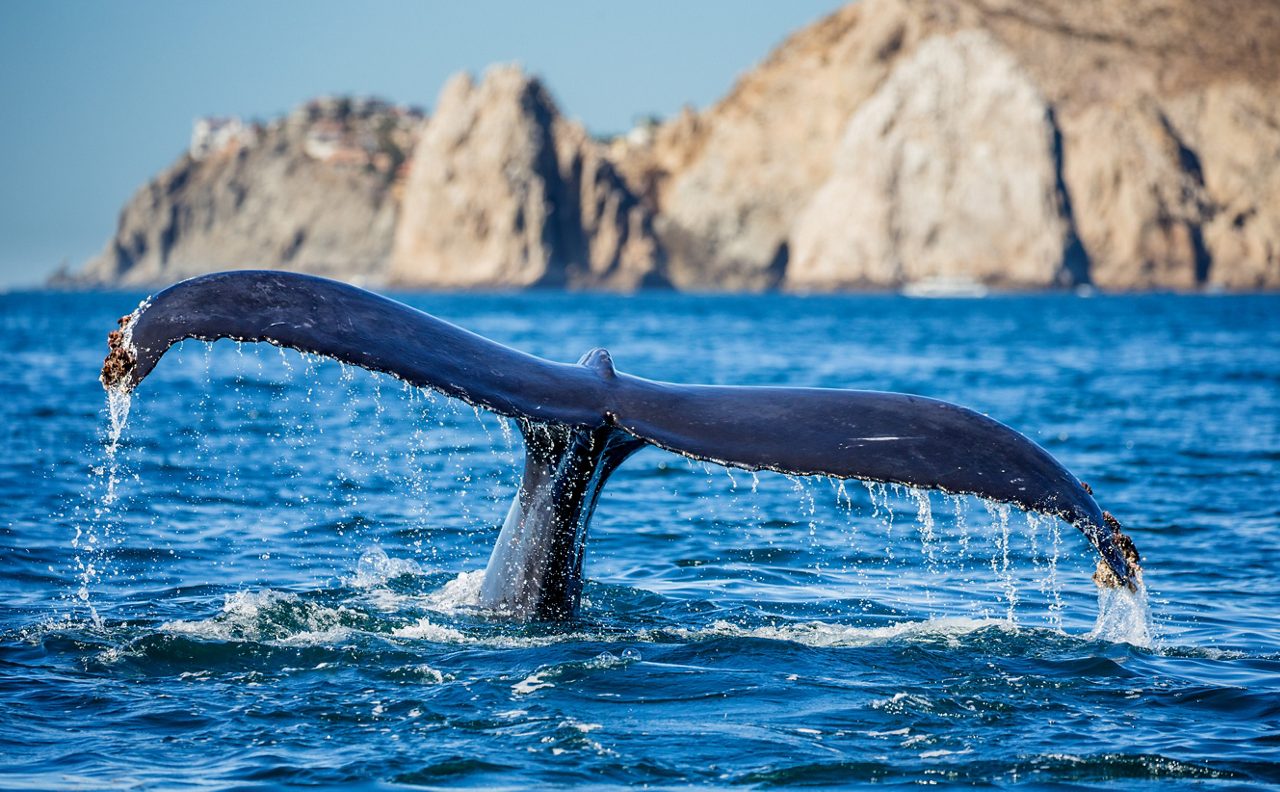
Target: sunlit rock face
(1182, 194)
(949, 170)
(730, 182)
(1236, 130)
(314, 191)
(1131, 145)
(1020, 143)
(505, 192)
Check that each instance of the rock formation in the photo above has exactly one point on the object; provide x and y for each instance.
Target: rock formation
(1134, 145)
(1020, 143)
(1162, 106)
(745, 168)
(948, 171)
(313, 192)
(504, 192)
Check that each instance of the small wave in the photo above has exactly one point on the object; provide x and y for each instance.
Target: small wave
(421, 673)
(451, 769)
(1117, 767)
(1056, 769)
(823, 634)
(815, 634)
(375, 568)
(531, 684)
(426, 630)
(272, 615)
(542, 678)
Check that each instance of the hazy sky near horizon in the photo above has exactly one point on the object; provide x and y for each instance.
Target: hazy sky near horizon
(99, 97)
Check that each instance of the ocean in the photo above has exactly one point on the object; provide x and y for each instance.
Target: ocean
(258, 574)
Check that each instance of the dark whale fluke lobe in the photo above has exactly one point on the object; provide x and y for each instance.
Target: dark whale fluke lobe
(580, 421)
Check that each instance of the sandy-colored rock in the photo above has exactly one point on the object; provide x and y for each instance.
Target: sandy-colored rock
(1154, 101)
(265, 203)
(1168, 116)
(948, 171)
(1084, 52)
(477, 201)
(621, 250)
(1025, 143)
(754, 159)
(1234, 128)
(1139, 198)
(503, 192)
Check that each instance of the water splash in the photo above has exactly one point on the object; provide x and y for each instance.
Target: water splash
(959, 509)
(882, 510)
(275, 617)
(1124, 617)
(459, 595)
(807, 505)
(375, 568)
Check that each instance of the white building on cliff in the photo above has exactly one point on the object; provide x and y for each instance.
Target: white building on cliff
(212, 135)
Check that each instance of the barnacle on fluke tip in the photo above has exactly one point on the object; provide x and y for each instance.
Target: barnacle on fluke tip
(1103, 575)
(120, 362)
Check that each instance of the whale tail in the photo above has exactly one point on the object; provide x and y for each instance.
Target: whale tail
(580, 421)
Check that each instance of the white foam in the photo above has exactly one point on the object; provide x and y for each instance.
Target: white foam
(432, 675)
(460, 594)
(287, 619)
(249, 616)
(823, 634)
(902, 700)
(611, 660)
(334, 636)
(895, 733)
(426, 630)
(531, 683)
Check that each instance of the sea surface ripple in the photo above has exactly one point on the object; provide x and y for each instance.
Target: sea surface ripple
(266, 578)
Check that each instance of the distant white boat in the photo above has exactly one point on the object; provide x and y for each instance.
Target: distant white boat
(948, 286)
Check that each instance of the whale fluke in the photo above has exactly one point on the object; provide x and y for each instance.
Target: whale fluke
(580, 421)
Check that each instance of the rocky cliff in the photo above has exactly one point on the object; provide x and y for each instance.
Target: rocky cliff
(505, 192)
(313, 192)
(957, 181)
(1020, 143)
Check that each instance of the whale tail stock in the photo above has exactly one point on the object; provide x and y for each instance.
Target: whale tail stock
(580, 421)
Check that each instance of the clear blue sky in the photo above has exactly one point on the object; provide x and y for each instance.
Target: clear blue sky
(98, 97)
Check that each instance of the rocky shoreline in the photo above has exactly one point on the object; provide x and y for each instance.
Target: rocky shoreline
(1021, 145)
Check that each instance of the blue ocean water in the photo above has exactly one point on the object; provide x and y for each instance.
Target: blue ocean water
(262, 579)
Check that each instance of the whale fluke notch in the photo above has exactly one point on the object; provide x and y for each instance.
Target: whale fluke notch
(581, 421)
